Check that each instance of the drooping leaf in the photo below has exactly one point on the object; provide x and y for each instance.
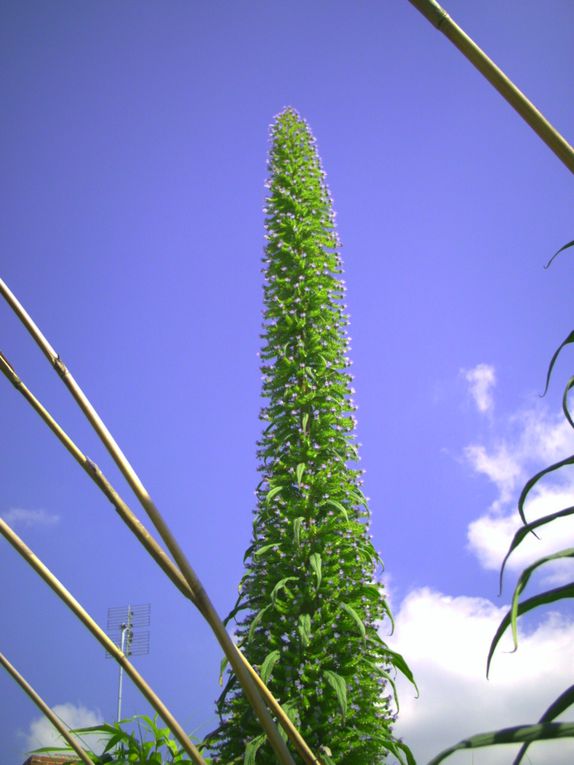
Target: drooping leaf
(262, 550)
(523, 531)
(316, 565)
(565, 407)
(339, 506)
(399, 662)
(543, 599)
(297, 530)
(268, 664)
(222, 665)
(273, 492)
(256, 621)
(564, 247)
(517, 735)
(558, 706)
(523, 581)
(356, 618)
(251, 750)
(339, 685)
(281, 585)
(569, 339)
(534, 480)
(304, 628)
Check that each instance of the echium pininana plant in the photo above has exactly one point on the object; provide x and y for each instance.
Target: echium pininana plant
(310, 606)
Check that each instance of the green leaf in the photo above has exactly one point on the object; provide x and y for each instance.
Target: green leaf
(281, 586)
(222, 665)
(558, 706)
(338, 506)
(267, 667)
(565, 407)
(265, 548)
(304, 628)
(251, 750)
(304, 422)
(523, 581)
(356, 618)
(564, 247)
(273, 492)
(315, 561)
(534, 480)
(569, 339)
(525, 530)
(340, 687)
(297, 530)
(300, 471)
(257, 620)
(518, 735)
(400, 664)
(544, 599)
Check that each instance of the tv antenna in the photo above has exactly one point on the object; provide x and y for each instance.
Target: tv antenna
(124, 628)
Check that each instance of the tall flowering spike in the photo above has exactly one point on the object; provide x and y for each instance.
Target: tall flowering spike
(309, 606)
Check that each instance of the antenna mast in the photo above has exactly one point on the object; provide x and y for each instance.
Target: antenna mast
(123, 622)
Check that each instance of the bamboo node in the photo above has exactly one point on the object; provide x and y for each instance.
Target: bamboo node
(60, 367)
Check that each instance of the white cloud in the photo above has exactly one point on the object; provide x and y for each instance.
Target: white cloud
(18, 516)
(42, 733)
(481, 380)
(534, 440)
(445, 641)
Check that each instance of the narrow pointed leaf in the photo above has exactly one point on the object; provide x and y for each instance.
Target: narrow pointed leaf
(316, 565)
(565, 407)
(251, 750)
(273, 492)
(304, 628)
(340, 687)
(297, 523)
(523, 531)
(569, 339)
(267, 667)
(300, 470)
(339, 506)
(534, 480)
(558, 706)
(517, 735)
(543, 599)
(356, 618)
(523, 581)
(281, 585)
(262, 550)
(564, 247)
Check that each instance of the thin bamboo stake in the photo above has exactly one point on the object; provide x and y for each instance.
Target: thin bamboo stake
(205, 605)
(45, 709)
(440, 19)
(151, 545)
(64, 594)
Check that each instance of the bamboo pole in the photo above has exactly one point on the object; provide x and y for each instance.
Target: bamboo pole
(151, 545)
(45, 709)
(64, 594)
(245, 675)
(440, 19)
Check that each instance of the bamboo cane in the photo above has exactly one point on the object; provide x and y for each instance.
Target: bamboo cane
(64, 594)
(202, 601)
(440, 19)
(151, 545)
(45, 709)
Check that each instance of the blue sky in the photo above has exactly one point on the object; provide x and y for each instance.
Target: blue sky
(133, 151)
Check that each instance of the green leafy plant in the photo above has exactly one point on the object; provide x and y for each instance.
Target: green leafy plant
(310, 605)
(150, 744)
(546, 727)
